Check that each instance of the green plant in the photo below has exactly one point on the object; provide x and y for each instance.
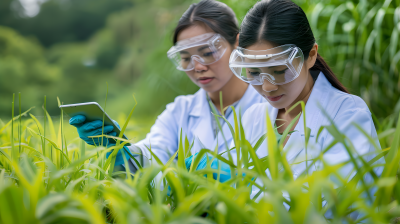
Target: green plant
(48, 178)
(360, 39)
(48, 175)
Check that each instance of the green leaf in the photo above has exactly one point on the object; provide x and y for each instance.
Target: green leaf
(181, 152)
(48, 203)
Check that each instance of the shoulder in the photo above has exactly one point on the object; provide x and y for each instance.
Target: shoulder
(255, 110)
(253, 119)
(345, 103)
(353, 118)
(346, 109)
(185, 101)
(177, 111)
(334, 101)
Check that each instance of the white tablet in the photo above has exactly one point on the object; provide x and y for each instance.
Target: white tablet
(92, 111)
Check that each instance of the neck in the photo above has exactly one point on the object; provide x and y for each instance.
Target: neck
(304, 95)
(231, 92)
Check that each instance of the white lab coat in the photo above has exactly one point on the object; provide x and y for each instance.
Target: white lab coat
(344, 109)
(192, 114)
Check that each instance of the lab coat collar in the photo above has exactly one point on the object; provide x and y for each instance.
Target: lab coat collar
(200, 109)
(318, 99)
(199, 104)
(244, 103)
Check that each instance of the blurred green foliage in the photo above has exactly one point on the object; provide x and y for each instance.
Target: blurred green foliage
(124, 43)
(360, 40)
(130, 43)
(48, 177)
(23, 65)
(60, 20)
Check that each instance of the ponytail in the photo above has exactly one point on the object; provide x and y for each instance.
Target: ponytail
(322, 66)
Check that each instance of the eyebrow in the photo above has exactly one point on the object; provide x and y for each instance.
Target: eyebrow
(200, 49)
(266, 67)
(203, 47)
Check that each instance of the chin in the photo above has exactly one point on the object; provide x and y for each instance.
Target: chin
(212, 89)
(277, 105)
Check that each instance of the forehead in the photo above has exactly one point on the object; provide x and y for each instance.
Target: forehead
(261, 45)
(192, 31)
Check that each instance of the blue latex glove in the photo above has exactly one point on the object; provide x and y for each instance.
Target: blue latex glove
(214, 165)
(93, 128)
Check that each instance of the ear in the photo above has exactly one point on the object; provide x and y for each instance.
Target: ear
(237, 41)
(312, 57)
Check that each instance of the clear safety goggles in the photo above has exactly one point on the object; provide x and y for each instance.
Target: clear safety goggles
(206, 49)
(279, 65)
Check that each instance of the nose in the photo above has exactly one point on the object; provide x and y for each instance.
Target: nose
(198, 66)
(269, 87)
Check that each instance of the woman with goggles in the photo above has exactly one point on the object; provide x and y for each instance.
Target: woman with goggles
(203, 40)
(278, 55)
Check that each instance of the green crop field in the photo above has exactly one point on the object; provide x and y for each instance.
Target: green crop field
(48, 178)
(49, 175)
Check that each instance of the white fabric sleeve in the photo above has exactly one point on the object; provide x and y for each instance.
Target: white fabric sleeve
(363, 147)
(163, 136)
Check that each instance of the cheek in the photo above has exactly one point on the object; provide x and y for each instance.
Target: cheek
(221, 69)
(293, 90)
(258, 88)
(190, 74)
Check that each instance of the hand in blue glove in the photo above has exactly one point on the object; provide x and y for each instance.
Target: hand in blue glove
(225, 173)
(93, 128)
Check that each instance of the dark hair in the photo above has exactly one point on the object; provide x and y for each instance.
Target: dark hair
(216, 15)
(283, 22)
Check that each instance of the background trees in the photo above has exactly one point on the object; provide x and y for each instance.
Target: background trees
(73, 47)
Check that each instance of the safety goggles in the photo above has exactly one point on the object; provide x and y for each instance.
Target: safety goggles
(279, 65)
(206, 49)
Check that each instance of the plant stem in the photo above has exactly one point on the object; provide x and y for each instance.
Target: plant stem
(102, 131)
(44, 128)
(12, 130)
(20, 124)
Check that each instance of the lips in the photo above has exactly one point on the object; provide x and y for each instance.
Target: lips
(205, 80)
(274, 98)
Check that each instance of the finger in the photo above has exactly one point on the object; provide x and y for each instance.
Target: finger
(188, 162)
(109, 153)
(77, 120)
(98, 132)
(89, 141)
(93, 125)
(112, 134)
(98, 141)
(107, 129)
